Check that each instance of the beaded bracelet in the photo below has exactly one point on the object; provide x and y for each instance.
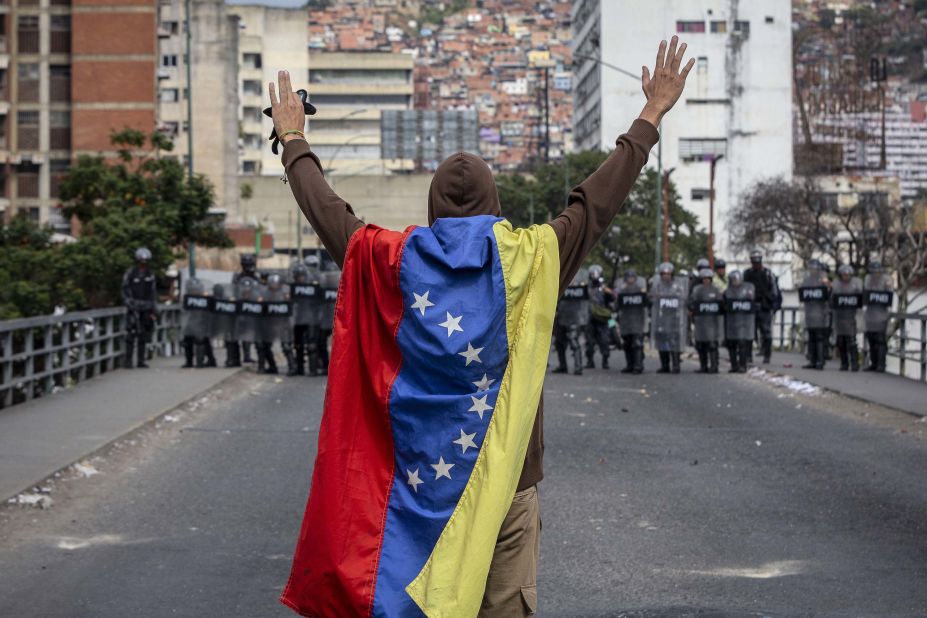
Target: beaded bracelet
(293, 132)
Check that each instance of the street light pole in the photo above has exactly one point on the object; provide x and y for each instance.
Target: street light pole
(659, 187)
(711, 211)
(191, 246)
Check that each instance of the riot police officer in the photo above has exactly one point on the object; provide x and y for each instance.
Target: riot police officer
(631, 299)
(720, 277)
(330, 279)
(846, 300)
(196, 324)
(705, 307)
(668, 317)
(739, 321)
(275, 326)
(571, 317)
(813, 294)
(140, 295)
(768, 300)
(877, 297)
(306, 291)
(248, 262)
(600, 313)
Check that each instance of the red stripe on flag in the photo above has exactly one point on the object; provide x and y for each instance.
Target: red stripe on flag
(335, 563)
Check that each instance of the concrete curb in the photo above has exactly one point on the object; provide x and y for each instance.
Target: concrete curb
(157, 416)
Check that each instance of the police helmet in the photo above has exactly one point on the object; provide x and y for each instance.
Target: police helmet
(702, 263)
(274, 281)
(312, 260)
(248, 260)
(299, 272)
(720, 263)
(218, 290)
(666, 267)
(735, 278)
(595, 271)
(756, 256)
(705, 273)
(845, 269)
(630, 274)
(875, 266)
(142, 254)
(815, 264)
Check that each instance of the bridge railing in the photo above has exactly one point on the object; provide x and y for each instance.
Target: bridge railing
(907, 345)
(42, 354)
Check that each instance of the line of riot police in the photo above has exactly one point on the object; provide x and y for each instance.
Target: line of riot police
(294, 310)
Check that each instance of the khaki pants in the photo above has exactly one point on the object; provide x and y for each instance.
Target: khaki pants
(511, 588)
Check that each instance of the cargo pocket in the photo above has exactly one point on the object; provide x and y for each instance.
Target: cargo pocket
(529, 598)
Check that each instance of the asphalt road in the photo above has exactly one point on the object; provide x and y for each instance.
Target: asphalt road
(665, 496)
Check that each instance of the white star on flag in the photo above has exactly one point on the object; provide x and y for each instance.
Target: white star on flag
(452, 323)
(442, 469)
(414, 481)
(421, 301)
(479, 405)
(466, 440)
(472, 354)
(484, 384)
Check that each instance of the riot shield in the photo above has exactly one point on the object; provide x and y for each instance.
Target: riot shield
(275, 323)
(307, 297)
(813, 293)
(631, 301)
(330, 280)
(196, 318)
(224, 311)
(668, 313)
(846, 300)
(706, 306)
(250, 310)
(573, 308)
(740, 309)
(877, 298)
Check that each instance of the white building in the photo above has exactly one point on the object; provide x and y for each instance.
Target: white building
(737, 102)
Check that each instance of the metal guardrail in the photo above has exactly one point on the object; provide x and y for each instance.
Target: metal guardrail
(42, 354)
(907, 343)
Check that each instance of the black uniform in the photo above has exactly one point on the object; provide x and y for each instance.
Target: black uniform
(140, 295)
(768, 300)
(597, 334)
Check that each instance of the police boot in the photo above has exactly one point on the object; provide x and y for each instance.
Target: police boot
(844, 355)
(246, 352)
(605, 360)
(639, 359)
(664, 362)
(713, 359)
(702, 358)
(628, 359)
(767, 350)
(674, 357)
(300, 351)
(259, 351)
(312, 355)
(141, 348)
(733, 351)
(854, 356)
(577, 361)
(130, 350)
(590, 361)
(232, 354)
(561, 360)
(746, 349)
(820, 353)
(207, 350)
(269, 360)
(188, 351)
(290, 360)
(812, 353)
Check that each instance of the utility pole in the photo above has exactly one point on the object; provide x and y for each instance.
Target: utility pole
(547, 117)
(666, 217)
(711, 211)
(191, 246)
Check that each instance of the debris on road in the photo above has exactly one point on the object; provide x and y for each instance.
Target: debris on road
(797, 386)
(85, 470)
(35, 500)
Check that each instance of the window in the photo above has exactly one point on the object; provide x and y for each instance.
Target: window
(719, 27)
(251, 114)
(169, 95)
(769, 19)
(701, 194)
(27, 180)
(169, 27)
(690, 26)
(251, 61)
(28, 32)
(252, 87)
(169, 60)
(249, 167)
(27, 74)
(702, 64)
(701, 149)
(59, 134)
(60, 39)
(59, 82)
(742, 28)
(251, 140)
(57, 168)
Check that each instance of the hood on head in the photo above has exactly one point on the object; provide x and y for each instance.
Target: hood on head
(463, 186)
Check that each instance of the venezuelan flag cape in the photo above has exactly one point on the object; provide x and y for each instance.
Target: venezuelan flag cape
(442, 335)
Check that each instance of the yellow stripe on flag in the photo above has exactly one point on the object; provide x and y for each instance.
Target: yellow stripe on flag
(452, 582)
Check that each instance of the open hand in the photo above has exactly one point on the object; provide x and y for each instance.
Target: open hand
(665, 85)
(288, 111)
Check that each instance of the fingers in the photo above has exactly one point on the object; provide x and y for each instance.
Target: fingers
(687, 68)
(671, 53)
(645, 79)
(283, 77)
(677, 59)
(273, 95)
(661, 54)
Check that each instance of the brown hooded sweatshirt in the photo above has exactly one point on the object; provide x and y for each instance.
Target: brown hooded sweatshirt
(463, 186)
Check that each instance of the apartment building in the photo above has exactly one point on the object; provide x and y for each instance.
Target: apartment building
(737, 103)
(269, 39)
(213, 98)
(69, 76)
(350, 90)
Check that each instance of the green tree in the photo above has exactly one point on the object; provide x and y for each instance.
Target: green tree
(137, 200)
(629, 242)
